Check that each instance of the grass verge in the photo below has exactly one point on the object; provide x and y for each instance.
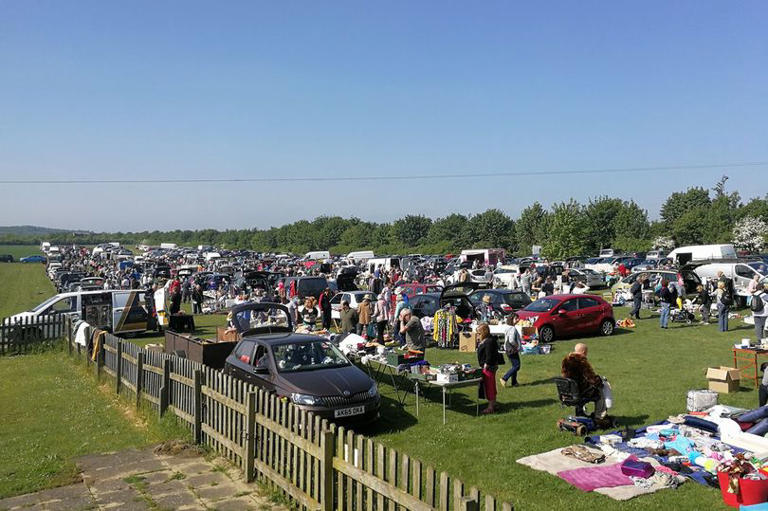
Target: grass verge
(53, 412)
(23, 287)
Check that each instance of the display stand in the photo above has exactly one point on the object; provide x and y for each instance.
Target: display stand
(750, 364)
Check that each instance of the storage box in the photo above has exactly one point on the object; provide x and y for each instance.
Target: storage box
(700, 400)
(447, 377)
(723, 379)
(468, 342)
(223, 334)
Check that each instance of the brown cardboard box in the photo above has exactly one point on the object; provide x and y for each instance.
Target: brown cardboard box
(527, 331)
(468, 342)
(223, 335)
(723, 379)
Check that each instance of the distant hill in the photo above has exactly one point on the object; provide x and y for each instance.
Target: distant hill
(33, 230)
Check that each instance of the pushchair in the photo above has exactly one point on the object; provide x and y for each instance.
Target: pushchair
(684, 315)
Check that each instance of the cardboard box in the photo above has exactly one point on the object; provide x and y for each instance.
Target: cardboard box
(468, 342)
(723, 379)
(527, 331)
(447, 377)
(222, 334)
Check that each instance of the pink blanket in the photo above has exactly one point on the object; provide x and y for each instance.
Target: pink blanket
(591, 478)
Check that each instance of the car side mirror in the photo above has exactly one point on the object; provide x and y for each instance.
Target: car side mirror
(562, 312)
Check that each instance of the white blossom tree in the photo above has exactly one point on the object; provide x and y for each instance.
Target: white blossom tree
(664, 243)
(750, 233)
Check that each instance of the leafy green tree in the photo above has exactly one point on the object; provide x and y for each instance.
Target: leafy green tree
(410, 230)
(531, 227)
(567, 233)
(450, 231)
(679, 203)
(755, 208)
(600, 215)
(492, 229)
(689, 229)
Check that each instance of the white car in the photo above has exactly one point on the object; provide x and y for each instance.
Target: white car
(476, 276)
(589, 277)
(505, 277)
(355, 298)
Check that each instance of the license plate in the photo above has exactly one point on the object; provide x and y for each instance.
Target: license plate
(348, 412)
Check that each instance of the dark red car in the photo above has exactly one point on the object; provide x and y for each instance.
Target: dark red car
(558, 316)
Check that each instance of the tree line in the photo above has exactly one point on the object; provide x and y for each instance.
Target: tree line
(695, 216)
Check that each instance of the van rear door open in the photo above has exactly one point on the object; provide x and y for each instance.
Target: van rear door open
(129, 312)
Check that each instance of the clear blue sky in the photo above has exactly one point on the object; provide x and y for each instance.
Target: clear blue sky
(197, 89)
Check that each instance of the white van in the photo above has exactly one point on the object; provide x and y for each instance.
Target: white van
(682, 255)
(317, 255)
(169, 246)
(655, 255)
(45, 246)
(607, 252)
(360, 256)
(740, 272)
(119, 311)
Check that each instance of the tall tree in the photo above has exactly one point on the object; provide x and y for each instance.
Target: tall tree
(679, 203)
(452, 229)
(600, 215)
(492, 229)
(410, 230)
(567, 231)
(531, 227)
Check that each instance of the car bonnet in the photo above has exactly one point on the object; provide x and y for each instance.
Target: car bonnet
(337, 381)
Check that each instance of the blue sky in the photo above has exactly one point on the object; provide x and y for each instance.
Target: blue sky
(255, 89)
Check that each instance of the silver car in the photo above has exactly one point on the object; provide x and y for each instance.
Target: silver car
(590, 277)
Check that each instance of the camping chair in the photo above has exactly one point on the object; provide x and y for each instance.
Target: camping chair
(568, 392)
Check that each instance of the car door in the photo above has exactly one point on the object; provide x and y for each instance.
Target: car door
(566, 317)
(590, 310)
(240, 362)
(742, 275)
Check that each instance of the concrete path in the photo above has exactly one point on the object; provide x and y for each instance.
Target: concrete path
(141, 479)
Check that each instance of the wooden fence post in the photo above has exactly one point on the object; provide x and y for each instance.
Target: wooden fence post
(69, 337)
(118, 364)
(165, 389)
(249, 446)
(198, 406)
(99, 363)
(139, 377)
(327, 443)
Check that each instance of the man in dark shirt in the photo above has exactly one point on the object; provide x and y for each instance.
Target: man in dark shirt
(667, 299)
(637, 297)
(548, 287)
(414, 332)
(348, 318)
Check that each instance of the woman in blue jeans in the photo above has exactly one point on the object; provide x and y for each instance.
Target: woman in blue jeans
(722, 307)
(667, 298)
(512, 341)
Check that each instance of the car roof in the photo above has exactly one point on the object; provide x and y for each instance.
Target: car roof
(274, 339)
(582, 295)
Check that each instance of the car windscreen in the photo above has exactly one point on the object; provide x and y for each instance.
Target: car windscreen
(759, 267)
(45, 304)
(517, 300)
(308, 356)
(542, 305)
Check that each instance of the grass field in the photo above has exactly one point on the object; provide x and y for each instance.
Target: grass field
(52, 410)
(22, 286)
(650, 370)
(19, 251)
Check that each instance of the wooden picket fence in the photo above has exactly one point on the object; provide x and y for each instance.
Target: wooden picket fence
(20, 336)
(315, 463)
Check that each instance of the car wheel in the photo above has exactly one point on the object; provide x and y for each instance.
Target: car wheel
(547, 334)
(607, 327)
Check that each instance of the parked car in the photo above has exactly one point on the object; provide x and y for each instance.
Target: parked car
(503, 301)
(454, 295)
(308, 370)
(590, 278)
(559, 316)
(412, 289)
(355, 298)
(33, 259)
(307, 286)
(690, 279)
(503, 276)
(6, 258)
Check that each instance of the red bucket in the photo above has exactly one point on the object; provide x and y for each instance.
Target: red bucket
(751, 491)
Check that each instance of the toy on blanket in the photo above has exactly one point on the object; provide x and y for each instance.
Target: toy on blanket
(580, 426)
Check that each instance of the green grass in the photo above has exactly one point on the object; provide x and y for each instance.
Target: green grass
(650, 370)
(23, 286)
(53, 412)
(19, 251)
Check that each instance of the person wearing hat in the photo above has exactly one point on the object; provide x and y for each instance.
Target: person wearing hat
(363, 316)
(760, 310)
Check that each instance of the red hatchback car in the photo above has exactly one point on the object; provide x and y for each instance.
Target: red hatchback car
(559, 316)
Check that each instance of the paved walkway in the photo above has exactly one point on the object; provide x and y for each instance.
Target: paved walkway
(142, 479)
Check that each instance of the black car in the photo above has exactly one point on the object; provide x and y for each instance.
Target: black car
(307, 369)
(455, 295)
(503, 301)
(6, 258)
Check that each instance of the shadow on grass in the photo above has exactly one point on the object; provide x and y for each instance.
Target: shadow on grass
(393, 418)
(635, 421)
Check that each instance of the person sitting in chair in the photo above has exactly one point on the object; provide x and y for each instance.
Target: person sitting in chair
(576, 367)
